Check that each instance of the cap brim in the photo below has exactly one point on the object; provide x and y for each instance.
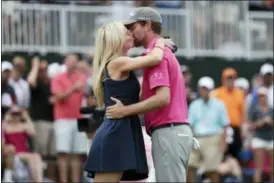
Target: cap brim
(6, 69)
(128, 23)
(267, 72)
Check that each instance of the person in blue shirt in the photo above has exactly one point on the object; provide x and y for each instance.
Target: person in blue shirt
(208, 118)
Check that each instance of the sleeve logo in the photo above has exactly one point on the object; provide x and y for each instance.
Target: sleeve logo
(156, 76)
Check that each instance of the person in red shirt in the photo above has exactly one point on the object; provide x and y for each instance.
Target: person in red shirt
(67, 90)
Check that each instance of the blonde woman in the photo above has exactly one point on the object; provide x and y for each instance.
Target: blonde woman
(118, 151)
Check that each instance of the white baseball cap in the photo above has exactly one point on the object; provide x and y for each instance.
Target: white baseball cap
(53, 69)
(6, 65)
(63, 68)
(206, 82)
(266, 69)
(242, 83)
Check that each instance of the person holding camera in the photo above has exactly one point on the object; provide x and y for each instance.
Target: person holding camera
(17, 128)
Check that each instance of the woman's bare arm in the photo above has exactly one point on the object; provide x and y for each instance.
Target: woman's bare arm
(154, 57)
(29, 125)
(32, 76)
(259, 123)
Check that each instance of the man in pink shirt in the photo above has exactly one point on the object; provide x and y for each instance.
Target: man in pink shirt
(68, 91)
(164, 102)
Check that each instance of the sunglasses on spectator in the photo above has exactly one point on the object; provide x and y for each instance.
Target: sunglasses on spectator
(16, 113)
(230, 77)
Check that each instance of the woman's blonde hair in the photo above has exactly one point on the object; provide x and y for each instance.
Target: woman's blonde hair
(109, 44)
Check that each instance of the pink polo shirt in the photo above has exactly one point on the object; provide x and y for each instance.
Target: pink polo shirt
(166, 74)
(69, 107)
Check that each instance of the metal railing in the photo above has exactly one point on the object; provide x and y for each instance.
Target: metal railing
(200, 28)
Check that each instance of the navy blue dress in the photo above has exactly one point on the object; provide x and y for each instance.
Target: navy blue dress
(118, 145)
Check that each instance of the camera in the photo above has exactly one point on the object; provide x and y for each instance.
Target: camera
(92, 122)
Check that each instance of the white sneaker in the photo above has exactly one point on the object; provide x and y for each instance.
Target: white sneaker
(8, 176)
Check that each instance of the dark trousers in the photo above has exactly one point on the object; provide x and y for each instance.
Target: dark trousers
(235, 147)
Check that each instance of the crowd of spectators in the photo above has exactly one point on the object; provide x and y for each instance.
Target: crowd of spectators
(38, 136)
(39, 112)
(236, 134)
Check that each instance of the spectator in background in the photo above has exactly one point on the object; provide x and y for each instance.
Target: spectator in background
(261, 118)
(7, 92)
(84, 68)
(7, 155)
(243, 84)
(41, 111)
(266, 74)
(21, 88)
(20, 63)
(88, 98)
(17, 127)
(68, 90)
(187, 77)
(234, 101)
(208, 119)
(256, 81)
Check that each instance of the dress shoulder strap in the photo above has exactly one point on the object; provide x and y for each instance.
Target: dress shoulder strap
(106, 74)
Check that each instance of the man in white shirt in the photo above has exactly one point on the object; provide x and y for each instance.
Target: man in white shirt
(21, 88)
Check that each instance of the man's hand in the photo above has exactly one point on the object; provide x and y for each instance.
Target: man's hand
(169, 43)
(268, 120)
(35, 62)
(260, 123)
(52, 100)
(223, 146)
(115, 111)
(77, 86)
